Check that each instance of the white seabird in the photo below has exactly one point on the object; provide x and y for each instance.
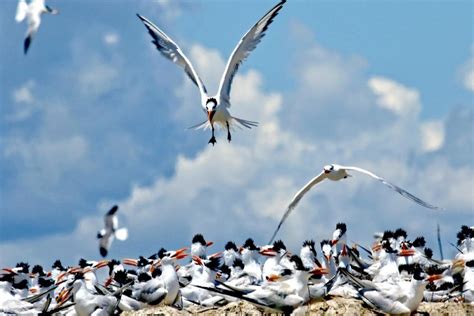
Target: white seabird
(106, 235)
(32, 12)
(336, 172)
(217, 107)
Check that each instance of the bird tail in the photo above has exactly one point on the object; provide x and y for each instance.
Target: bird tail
(243, 123)
(121, 234)
(202, 125)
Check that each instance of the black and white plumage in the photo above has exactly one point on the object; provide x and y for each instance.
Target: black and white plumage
(32, 12)
(336, 172)
(107, 234)
(217, 107)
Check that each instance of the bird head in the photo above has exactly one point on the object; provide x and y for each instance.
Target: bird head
(211, 105)
(328, 169)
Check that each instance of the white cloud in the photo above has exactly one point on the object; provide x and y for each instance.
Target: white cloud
(111, 38)
(432, 135)
(24, 102)
(394, 96)
(467, 72)
(24, 93)
(232, 191)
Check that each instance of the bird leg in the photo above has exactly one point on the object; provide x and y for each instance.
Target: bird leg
(229, 137)
(213, 139)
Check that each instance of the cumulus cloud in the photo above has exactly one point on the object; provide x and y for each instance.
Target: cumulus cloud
(467, 72)
(394, 96)
(232, 191)
(432, 135)
(24, 102)
(111, 38)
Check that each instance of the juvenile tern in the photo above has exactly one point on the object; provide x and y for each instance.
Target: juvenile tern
(336, 172)
(217, 107)
(32, 12)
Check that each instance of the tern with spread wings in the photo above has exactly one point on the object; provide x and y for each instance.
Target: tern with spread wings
(216, 107)
(335, 173)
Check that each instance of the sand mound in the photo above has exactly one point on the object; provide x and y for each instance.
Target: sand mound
(334, 306)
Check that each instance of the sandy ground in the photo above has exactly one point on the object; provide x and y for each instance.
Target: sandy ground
(335, 306)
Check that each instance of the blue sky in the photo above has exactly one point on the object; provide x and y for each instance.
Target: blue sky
(94, 116)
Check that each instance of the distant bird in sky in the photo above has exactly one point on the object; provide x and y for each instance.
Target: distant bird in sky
(217, 107)
(32, 11)
(107, 234)
(335, 173)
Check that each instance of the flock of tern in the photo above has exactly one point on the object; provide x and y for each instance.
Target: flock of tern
(393, 276)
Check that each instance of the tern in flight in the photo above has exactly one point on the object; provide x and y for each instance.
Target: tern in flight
(32, 12)
(106, 235)
(216, 107)
(335, 173)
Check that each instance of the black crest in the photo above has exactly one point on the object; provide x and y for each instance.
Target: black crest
(387, 235)
(249, 244)
(198, 238)
(278, 245)
(325, 242)
(342, 227)
(419, 242)
(399, 233)
(231, 245)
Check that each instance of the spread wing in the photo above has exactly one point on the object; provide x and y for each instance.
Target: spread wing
(170, 50)
(298, 196)
(397, 189)
(243, 49)
(21, 10)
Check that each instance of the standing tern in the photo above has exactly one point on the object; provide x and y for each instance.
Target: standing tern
(32, 12)
(336, 172)
(106, 235)
(217, 107)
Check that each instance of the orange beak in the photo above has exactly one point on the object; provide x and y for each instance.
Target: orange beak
(333, 242)
(268, 252)
(406, 252)
(130, 262)
(216, 255)
(63, 296)
(108, 282)
(210, 115)
(60, 276)
(33, 290)
(155, 265)
(434, 277)
(101, 264)
(273, 277)
(209, 243)
(319, 271)
(241, 249)
(9, 270)
(197, 260)
(180, 253)
(376, 247)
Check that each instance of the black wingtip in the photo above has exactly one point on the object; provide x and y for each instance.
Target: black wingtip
(113, 210)
(27, 44)
(103, 252)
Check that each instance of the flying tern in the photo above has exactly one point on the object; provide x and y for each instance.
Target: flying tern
(106, 235)
(216, 107)
(336, 172)
(32, 12)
